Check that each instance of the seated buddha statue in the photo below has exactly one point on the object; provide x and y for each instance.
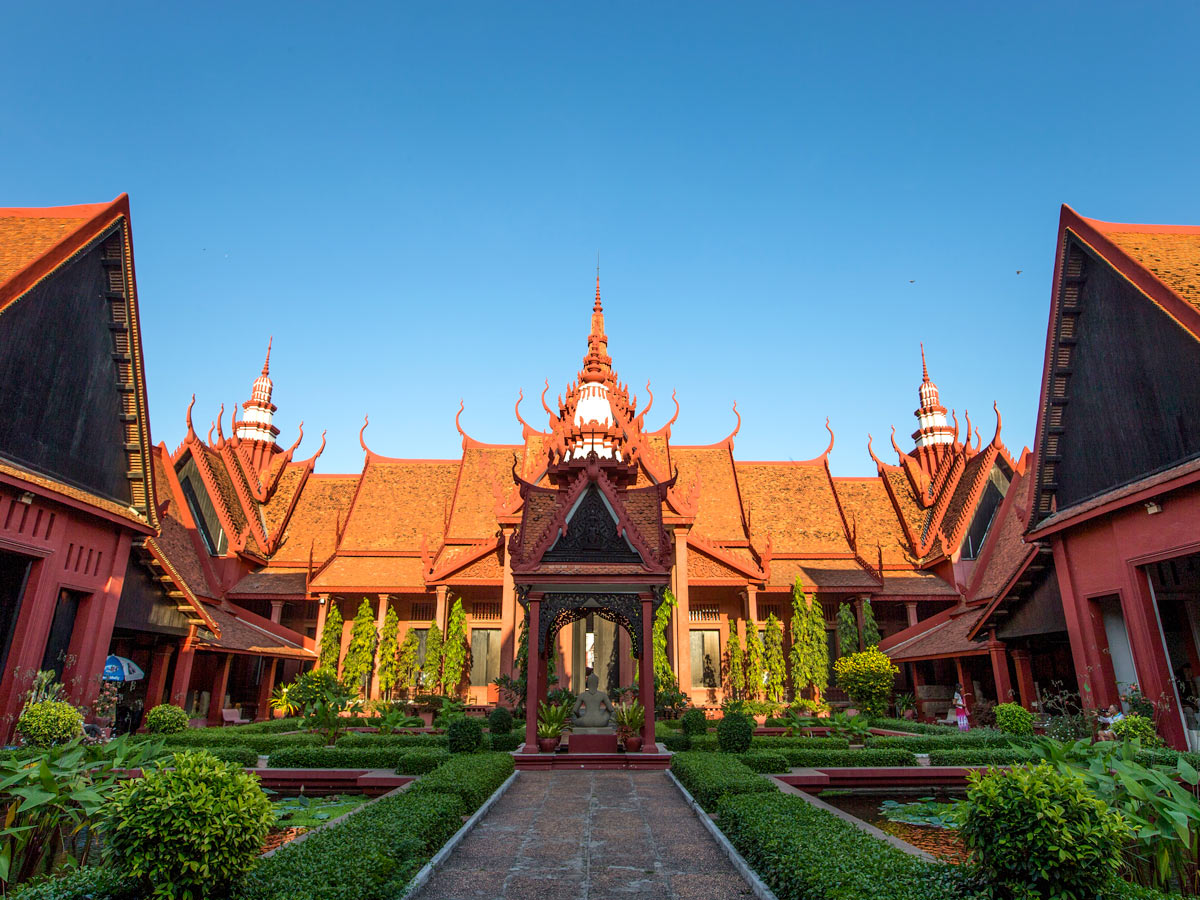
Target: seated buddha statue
(592, 709)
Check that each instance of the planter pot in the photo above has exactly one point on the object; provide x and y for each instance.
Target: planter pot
(548, 745)
(760, 720)
(633, 743)
(426, 716)
(910, 714)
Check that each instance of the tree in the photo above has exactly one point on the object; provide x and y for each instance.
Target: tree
(755, 666)
(407, 670)
(331, 638)
(810, 647)
(867, 678)
(736, 675)
(664, 675)
(773, 659)
(431, 670)
(454, 651)
(360, 654)
(847, 630)
(870, 631)
(389, 670)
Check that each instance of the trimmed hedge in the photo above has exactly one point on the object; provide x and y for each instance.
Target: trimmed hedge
(243, 756)
(821, 759)
(271, 726)
(472, 779)
(962, 740)
(913, 727)
(337, 757)
(705, 743)
(211, 738)
(676, 742)
(420, 761)
(1164, 756)
(765, 762)
(374, 853)
(710, 776)
(92, 883)
(984, 756)
(358, 739)
(800, 743)
(802, 851)
(506, 743)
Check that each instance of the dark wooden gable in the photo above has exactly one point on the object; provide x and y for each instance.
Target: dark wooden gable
(68, 401)
(592, 535)
(1122, 391)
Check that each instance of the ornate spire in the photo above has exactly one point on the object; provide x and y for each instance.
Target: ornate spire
(932, 427)
(597, 365)
(256, 425)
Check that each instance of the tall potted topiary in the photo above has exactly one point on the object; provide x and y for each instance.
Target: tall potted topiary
(867, 678)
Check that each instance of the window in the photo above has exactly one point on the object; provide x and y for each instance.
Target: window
(706, 658)
(201, 507)
(985, 512)
(58, 643)
(485, 656)
(422, 633)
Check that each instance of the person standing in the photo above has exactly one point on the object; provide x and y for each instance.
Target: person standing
(960, 708)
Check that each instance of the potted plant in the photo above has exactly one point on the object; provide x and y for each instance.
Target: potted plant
(281, 702)
(551, 723)
(105, 707)
(629, 719)
(906, 706)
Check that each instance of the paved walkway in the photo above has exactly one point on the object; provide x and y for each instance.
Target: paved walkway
(588, 836)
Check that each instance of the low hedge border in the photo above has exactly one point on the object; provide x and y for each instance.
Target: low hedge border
(421, 761)
(710, 776)
(337, 757)
(855, 759)
(800, 743)
(913, 727)
(984, 756)
(968, 740)
(358, 739)
(505, 743)
(471, 777)
(676, 742)
(210, 739)
(765, 762)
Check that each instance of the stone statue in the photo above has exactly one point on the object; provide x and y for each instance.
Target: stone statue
(597, 710)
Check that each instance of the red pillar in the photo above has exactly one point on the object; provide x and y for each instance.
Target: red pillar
(183, 676)
(918, 682)
(1093, 669)
(968, 690)
(156, 681)
(93, 630)
(1025, 686)
(264, 689)
(276, 611)
(911, 609)
(646, 678)
(533, 658)
(1150, 655)
(1004, 691)
(28, 639)
(217, 699)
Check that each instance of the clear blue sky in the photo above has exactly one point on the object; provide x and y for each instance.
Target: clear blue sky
(786, 199)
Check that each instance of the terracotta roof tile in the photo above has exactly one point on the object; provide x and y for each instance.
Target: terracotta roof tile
(795, 505)
(174, 537)
(275, 509)
(915, 583)
(900, 488)
(371, 573)
(315, 520)
(23, 240)
(400, 503)
(873, 519)
(719, 517)
(1005, 549)
(58, 487)
(240, 634)
(817, 574)
(1173, 258)
(942, 635)
(962, 503)
(474, 511)
(289, 582)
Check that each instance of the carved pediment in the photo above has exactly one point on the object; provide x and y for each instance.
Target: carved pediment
(591, 535)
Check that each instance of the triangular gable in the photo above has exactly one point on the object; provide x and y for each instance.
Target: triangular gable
(1121, 358)
(592, 533)
(74, 264)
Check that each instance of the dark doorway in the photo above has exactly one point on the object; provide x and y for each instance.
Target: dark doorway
(14, 575)
(58, 644)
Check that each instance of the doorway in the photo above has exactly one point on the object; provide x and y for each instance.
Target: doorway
(1175, 586)
(14, 575)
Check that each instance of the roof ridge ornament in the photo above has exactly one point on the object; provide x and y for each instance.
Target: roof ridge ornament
(362, 443)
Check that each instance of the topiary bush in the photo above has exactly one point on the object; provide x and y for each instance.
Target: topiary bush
(765, 762)
(420, 762)
(868, 678)
(506, 743)
(676, 743)
(711, 776)
(1013, 718)
(49, 722)
(1037, 832)
(189, 830)
(694, 721)
(464, 735)
(1137, 727)
(734, 733)
(166, 719)
(500, 721)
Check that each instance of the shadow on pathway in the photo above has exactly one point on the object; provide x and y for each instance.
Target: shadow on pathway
(588, 836)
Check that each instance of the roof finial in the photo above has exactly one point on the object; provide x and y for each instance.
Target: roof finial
(924, 368)
(597, 307)
(267, 363)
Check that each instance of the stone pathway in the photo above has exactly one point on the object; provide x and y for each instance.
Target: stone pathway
(588, 836)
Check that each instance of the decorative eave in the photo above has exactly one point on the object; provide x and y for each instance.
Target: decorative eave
(751, 572)
(443, 569)
(176, 587)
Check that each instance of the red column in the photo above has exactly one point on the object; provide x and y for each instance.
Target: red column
(276, 611)
(183, 672)
(646, 678)
(1004, 692)
(29, 638)
(1093, 669)
(531, 677)
(264, 689)
(1025, 686)
(217, 699)
(1150, 655)
(93, 630)
(156, 681)
(918, 682)
(509, 610)
(911, 609)
(322, 612)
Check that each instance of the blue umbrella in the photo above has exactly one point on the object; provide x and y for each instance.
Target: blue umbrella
(118, 668)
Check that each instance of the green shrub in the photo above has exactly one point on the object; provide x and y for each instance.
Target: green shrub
(1013, 718)
(912, 726)
(166, 719)
(927, 743)
(210, 738)
(801, 743)
(1038, 832)
(734, 733)
(694, 721)
(245, 757)
(336, 757)
(91, 883)
(979, 756)
(472, 779)
(676, 743)
(190, 830)
(506, 743)
(49, 722)
(867, 678)
(372, 854)
(824, 759)
(356, 739)
(706, 743)
(765, 762)
(270, 726)
(1138, 727)
(710, 776)
(420, 762)
(500, 721)
(802, 851)
(464, 735)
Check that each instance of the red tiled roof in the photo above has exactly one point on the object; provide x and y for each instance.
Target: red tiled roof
(915, 583)
(174, 537)
(400, 503)
(822, 574)
(794, 504)
(873, 519)
(239, 634)
(942, 635)
(313, 523)
(719, 517)
(1005, 550)
(1171, 253)
(274, 511)
(473, 514)
(281, 582)
(371, 573)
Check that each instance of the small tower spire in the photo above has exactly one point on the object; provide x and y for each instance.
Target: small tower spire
(256, 426)
(932, 427)
(924, 368)
(267, 364)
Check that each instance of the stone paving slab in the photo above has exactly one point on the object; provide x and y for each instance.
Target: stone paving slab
(588, 835)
